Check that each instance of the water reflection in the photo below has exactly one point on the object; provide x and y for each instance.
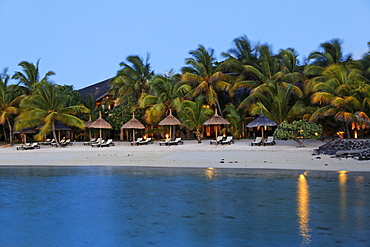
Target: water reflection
(343, 177)
(211, 173)
(303, 211)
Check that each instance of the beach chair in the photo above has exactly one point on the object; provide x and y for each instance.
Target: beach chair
(228, 140)
(270, 141)
(98, 144)
(146, 141)
(165, 142)
(218, 140)
(176, 142)
(92, 140)
(108, 143)
(258, 141)
(22, 146)
(140, 139)
(46, 142)
(66, 143)
(31, 146)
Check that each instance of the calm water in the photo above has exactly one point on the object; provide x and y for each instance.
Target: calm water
(182, 207)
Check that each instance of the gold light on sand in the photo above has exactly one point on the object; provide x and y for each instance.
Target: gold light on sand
(303, 209)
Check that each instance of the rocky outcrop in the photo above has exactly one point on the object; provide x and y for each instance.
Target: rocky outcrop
(357, 148)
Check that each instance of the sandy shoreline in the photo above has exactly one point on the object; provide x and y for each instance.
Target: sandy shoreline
(284, 155)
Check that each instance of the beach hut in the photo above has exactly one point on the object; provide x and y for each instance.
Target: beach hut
(23, 133)
(133, 124)
(58, 128)
(262, 121)
(170, 120)
(100, 124)
(216, 120)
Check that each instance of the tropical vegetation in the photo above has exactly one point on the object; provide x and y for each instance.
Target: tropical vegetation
(328, 88)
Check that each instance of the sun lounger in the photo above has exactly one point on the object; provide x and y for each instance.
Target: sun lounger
(29, 146)
(46, 142)
(66, 143)
(270, 141)
(146, 141)
(176, 142)
(217, 141)
(165, 142)
(98, 144)
(92, 140)
(108, 143)
(137, 141)
(228, 140)
(258, 141)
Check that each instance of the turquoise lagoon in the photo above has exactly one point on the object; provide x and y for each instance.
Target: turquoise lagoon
(118, 206)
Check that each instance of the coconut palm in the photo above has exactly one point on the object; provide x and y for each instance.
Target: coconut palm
(9, 99)
(30, 75)
(204, 76)
(132, 79)
(266, 69)
(165, 92)
(331, 53)
(46, 105)
(244, 51)
(276, 100)
(236, 118)
(194, 114)
(341, 92)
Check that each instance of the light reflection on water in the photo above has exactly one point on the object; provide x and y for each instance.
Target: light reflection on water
(117, 206)
(303, 203)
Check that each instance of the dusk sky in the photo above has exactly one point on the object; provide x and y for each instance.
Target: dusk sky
(83, 41)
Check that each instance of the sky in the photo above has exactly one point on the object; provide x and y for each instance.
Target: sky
(84, 41)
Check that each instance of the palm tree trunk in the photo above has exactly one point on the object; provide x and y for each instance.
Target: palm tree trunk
(348, 133)
(10, 132)
(219, 109)
(55, 136)
(5, 135)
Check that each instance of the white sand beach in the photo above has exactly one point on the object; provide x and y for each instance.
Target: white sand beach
(283, 155)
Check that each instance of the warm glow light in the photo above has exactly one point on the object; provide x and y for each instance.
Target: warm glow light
(356, 134)
(303, 209)
(211, 173)
(167, 135)
(343, 177)
(145, 137)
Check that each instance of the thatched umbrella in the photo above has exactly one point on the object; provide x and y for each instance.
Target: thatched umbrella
(133, 124)
(24, 133)
(170, 120)
(261, 121)
(58, 127)
(100, 123)
(216, 120)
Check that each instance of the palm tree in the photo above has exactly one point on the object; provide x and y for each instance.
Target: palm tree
(194, 114)
(332, 53)
(236, 118)
(273, 80)
(132, 79)
(30, 75)
(243, 52)
(276, 100)
(341, 92)
(9, 99)
(206, 78)
(266, 69)
(165, 92)
(46, 105)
